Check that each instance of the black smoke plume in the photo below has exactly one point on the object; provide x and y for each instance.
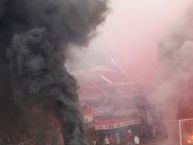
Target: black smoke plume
(34, 38)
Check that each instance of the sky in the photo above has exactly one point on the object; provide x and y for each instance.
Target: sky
(132, 32)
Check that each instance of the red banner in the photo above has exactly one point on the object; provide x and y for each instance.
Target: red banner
(88, 115)
(114, 124)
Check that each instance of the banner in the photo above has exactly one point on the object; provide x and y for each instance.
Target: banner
(116, 125)
(88, 115)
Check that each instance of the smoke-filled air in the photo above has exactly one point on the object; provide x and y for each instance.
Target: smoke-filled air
(34, 38)
(173, 94)
(152, 41)
(132, 84)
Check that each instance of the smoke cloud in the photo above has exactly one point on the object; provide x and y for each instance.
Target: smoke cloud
(173, 95)
(34, 38)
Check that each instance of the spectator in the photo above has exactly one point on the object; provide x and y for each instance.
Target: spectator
(94, 141)
(111, 139)
(136, 140)
(106, 140)
(129, 139)
(117, 138)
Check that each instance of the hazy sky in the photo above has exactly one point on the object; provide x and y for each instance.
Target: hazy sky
(133, 30)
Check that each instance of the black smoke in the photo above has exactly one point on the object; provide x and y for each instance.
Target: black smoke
(34, 38)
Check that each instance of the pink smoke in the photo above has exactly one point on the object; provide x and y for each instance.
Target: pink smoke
(133, 30)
